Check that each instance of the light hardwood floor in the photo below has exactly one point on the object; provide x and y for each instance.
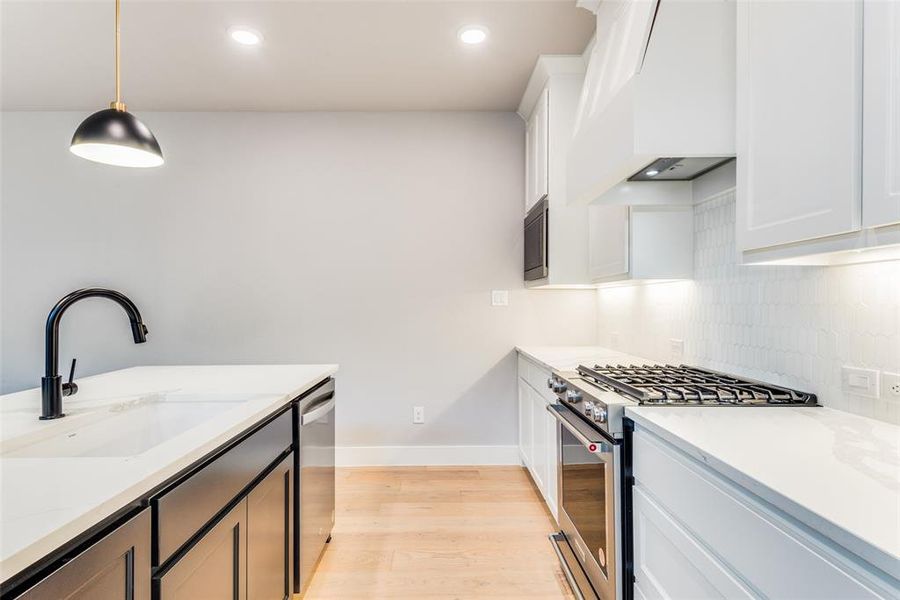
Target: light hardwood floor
(438, 533)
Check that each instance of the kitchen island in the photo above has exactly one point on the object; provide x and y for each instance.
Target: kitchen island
(129, 440)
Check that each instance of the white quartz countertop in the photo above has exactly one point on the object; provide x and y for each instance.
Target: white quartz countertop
(566, 358)
(834, 471)
(48, 497)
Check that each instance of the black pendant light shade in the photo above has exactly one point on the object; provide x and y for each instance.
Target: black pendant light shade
(116, 137)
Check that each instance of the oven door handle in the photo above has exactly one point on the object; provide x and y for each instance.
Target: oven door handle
(597, 447)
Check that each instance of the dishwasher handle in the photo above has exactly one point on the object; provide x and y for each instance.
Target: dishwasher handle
(317, 411)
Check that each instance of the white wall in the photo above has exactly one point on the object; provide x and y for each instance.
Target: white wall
(370, 240)
(791, 325)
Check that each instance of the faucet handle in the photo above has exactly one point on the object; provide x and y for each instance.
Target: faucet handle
(71, 387)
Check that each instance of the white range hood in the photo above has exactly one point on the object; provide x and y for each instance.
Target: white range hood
(659, 95)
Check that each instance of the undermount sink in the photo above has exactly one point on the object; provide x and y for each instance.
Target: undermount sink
(127, 428)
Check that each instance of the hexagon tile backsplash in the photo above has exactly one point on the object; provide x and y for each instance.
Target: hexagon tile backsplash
(796, 326)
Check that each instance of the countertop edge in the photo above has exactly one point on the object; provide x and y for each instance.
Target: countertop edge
(529, 356)
(865, 550)
(42, 547)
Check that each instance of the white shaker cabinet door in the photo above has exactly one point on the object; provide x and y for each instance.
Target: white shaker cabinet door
(608, 242)
(551, 489)
(799, 107)
(526, 413)
(529, 164)
(539, 437)
(881, 114)
(539, 150)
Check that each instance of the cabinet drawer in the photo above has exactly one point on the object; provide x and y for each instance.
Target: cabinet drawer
(776, 557)
(669, 563)
(182, 511)
(536, 377)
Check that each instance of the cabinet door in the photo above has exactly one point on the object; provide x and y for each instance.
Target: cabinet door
(881, 114)
(537, 150)
(799, 96)
(540, 452)
(551, 485)
(270, 545)
(525, 424)
(115, 568)
(541, 118)
(215, 567)
(529, 165)
(608, 242)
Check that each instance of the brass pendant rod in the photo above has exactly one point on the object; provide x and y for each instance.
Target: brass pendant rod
(118, 104)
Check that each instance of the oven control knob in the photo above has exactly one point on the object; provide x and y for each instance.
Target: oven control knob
(560, 386)
(600, 414)
(574, 396)
(551, 381)
(588, 407)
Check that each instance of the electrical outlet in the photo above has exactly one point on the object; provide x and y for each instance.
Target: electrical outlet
(614, 340)
(862, 382)
(676, 349)
(418, 415)
(499, 297)
(890, 385)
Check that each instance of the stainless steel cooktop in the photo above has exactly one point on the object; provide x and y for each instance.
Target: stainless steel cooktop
(684, 385)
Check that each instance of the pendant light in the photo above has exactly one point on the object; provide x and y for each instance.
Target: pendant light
(114, 136)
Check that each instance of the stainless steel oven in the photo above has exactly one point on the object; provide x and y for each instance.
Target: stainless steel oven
(536, 237)
(589, 484)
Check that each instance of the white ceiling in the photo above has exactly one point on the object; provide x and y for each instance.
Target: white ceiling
(325, 55)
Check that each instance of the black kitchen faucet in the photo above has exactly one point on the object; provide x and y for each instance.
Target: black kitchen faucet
(52, 387)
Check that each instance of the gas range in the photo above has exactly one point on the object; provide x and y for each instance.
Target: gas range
(599, 394)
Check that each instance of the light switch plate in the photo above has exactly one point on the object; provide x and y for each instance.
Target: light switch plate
(499, 297)
(676, 349)
(614, 340)
(861, 382)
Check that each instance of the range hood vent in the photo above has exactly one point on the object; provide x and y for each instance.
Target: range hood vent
(679, 169)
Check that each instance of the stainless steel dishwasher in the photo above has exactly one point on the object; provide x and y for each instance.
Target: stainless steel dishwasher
(313, 480)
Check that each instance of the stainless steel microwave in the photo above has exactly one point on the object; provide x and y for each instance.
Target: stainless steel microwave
(537, 254)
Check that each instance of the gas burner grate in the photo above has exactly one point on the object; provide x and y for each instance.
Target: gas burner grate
(684, 385)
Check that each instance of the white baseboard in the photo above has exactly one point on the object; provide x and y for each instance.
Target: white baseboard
(396, 456)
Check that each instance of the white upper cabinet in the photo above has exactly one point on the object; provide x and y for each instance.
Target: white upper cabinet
(537, 160)
(799, 120)
(609, 235)
(881, 114)
(660, 83)
(548, 108)
(641, 243)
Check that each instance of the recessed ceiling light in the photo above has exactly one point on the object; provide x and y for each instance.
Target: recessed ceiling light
(651, 173)
(245, 36)
(473, 34)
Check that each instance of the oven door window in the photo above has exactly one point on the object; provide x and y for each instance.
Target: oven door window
(584, 489)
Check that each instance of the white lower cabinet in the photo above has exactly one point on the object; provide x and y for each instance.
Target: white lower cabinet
(669, 563)
(526, 417)
(698, 535)
(538, 439)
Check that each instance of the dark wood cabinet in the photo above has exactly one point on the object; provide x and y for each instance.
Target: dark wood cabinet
(270, 523)
(245, 555)
(115, 568)
(215, 566)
